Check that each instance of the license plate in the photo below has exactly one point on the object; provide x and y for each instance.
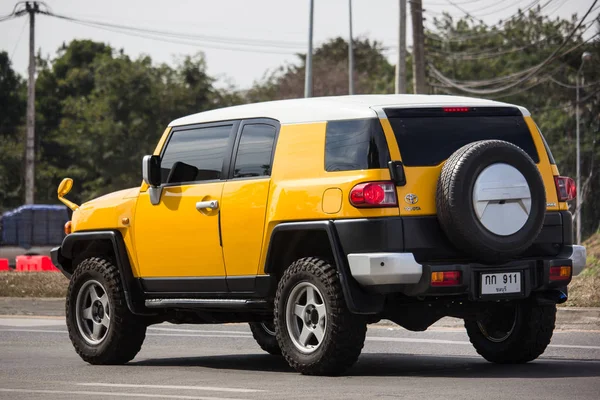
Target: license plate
(509, 282)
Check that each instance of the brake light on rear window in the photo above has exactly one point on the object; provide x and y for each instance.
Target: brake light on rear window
(455, 109)
(565, 188)
(374, 194)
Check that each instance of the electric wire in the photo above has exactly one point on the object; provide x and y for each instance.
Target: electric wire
(183, 35)
(494, 30)
(12, 53)
(531, 73)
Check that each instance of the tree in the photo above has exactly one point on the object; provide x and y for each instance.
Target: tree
(100, 112)
(373, 73)
(470, 53)
(12, 115)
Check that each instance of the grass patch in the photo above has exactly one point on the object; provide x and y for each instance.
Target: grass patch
(33, 284)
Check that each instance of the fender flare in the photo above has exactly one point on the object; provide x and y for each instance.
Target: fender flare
(131, 286)
(357, 300)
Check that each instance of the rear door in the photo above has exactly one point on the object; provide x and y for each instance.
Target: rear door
(426, 137)
(245, 199)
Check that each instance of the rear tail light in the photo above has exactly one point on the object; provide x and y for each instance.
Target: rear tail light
(561, 273)
(445, 278)
(565, 188)
(374, 194)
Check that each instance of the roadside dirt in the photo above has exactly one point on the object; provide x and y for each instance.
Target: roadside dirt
(33, 284)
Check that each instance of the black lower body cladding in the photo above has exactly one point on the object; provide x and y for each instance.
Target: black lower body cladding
(491, 200)
(424, 237)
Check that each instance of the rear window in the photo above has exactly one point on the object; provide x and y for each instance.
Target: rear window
(355, 144)
(427, 137)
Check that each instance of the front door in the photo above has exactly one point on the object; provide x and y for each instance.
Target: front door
(178, 242)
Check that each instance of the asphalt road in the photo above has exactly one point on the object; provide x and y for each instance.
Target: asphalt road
(223, 362)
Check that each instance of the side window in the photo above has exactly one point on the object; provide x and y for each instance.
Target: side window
(195, 154)
(355, 144)
(255, 151)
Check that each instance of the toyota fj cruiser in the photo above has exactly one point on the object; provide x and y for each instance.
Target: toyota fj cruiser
(312, 218)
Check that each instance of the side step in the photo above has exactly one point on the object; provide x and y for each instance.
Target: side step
(229, 304)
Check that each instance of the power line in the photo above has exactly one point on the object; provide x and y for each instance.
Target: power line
(18, 40)
(495, 29)
(531, 71)
(187, 36)
(188, 42)
(496, 52)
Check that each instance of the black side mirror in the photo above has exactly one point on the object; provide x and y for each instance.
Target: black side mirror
(397, 172)
(151, 170)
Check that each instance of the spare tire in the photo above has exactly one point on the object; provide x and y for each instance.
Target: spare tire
(491, 200)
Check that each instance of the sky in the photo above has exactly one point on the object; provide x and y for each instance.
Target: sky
(277, 29)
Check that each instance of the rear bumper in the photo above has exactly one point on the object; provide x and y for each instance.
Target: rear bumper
(424, 238)
(578, 257)
(400, 273)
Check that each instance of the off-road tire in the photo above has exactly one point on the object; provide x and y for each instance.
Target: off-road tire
(126, 332)
(266, 340)
(344, 334)
(454, 200)
(531, 335)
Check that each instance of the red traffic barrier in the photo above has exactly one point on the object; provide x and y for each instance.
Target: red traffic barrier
(4, 264)
(35, 264)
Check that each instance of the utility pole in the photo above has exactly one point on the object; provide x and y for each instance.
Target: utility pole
(32, 8)
(401, 62)
(350, 54)
(416, 10)
(578, 200)
(308, 84)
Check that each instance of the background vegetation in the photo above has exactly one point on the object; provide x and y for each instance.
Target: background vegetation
(99, 111)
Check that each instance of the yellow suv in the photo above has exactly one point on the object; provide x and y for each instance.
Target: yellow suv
(311, 218)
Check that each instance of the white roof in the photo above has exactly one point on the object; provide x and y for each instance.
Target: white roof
(317, 109)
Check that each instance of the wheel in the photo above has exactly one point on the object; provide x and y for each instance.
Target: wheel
(315, 330)
(491, 200)
(264, 334)
(101, 327)
(512, 333)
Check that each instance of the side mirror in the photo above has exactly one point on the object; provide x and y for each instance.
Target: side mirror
(151, 170)
(65, 187)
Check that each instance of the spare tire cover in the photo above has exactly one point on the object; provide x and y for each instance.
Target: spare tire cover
(491, 200)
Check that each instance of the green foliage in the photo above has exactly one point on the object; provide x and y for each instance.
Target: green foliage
(12, 117)
(99, 111)
(372, 73)
(522, 43)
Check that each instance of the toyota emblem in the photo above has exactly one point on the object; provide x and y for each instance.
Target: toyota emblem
(411, 198)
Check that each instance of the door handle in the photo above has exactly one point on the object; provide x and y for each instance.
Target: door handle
(211, 204)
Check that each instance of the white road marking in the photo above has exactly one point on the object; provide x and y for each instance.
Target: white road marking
(113, 394)
(29, 322)
(33, 330)
(464, 342)
(241, 335)
(160, 328)
(175, 387)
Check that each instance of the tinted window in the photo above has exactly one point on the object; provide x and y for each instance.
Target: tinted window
(195, 154)
(355, 144)
(255, 151)
(426, 141)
